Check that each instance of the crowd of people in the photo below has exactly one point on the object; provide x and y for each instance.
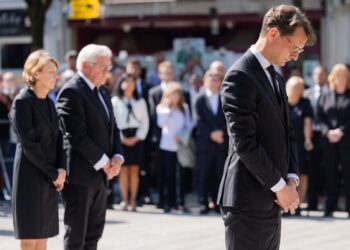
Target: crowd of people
(150, 141)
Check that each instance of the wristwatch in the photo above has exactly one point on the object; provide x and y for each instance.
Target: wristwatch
(296, 181)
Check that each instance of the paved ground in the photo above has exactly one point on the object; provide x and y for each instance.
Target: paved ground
(150, 229)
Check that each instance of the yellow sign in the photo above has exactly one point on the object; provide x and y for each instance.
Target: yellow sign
(84, 9)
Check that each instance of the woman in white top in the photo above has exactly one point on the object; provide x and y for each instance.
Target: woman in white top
(133, 122)
(173, 116)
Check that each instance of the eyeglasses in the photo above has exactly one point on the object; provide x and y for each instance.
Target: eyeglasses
(103, 66)
(293, 47)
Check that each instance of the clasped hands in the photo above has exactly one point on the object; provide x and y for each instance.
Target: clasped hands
(334, 135)
(60, 180)
(287, 197)
(113, 167)
(217, 136)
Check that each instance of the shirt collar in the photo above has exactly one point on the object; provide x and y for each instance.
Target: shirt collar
(163, 85)
(209, 93)
(88, 82)
(262, 60)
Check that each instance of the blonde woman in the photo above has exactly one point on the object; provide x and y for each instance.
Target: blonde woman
(334, 113)
(39, 166)
(301, 119)
(173, 117)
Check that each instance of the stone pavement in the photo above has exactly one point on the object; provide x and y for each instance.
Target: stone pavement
(150, 229)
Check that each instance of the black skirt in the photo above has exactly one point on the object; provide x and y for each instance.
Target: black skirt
(133, 155)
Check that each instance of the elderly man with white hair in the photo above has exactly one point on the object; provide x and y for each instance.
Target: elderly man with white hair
(93, 147)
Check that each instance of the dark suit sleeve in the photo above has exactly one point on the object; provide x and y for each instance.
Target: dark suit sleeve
(293, 167)
(21, 118)
(238, 95)
(322, 117)
(71, 113)
(204, 124)
(62, 158)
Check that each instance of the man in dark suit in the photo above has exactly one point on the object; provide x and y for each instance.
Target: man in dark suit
(260, 173)
(316, 170)
(92, 143)
(211, 138)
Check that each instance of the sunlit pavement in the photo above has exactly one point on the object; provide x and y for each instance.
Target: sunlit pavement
(150, 228)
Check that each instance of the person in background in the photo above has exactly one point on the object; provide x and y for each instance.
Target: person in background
(133, 122)
(92, 142)
(317, 162)
(334, 115)
(212, 139)
(173, 117)
(301, 119)
(40, 162)
(217, 66)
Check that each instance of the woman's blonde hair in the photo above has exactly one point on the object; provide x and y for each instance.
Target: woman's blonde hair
(35, 62)
(335, 70)
(171, 88)
(294, 81)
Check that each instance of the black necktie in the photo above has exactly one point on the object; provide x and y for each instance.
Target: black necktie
(96, 92)
(273, 75)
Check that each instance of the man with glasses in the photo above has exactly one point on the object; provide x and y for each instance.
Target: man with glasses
(260, 173)
(92, 144)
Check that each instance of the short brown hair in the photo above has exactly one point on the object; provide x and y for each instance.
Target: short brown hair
(35, 62)
(287, 18)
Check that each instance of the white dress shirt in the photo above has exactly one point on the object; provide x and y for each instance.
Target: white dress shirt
(139, 119)
(172, 121)
(264, 64)
(104, 159)
(213, 100)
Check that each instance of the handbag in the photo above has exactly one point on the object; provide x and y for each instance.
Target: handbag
(186, 150)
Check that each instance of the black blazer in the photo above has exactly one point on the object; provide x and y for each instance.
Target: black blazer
(39, 143)
(87, 131)
(309, 94)
(262, 147)
(335, 114)
(207, 122)
(154, 97)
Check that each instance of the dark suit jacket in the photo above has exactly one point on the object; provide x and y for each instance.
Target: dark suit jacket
(88, 133)
(309, 94)
(335, 114)
(154, 97)
(207, 122)
(262, 148)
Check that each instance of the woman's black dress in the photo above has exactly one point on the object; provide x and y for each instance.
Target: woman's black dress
(297, 114)
(39, 153)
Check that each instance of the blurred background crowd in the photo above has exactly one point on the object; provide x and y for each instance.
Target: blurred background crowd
(175, 54)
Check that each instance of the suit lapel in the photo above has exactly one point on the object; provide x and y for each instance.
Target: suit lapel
(333, 112)
(261, 77)
(207, 102)
(93, 98)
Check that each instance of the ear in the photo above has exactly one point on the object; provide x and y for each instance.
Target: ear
(273, 33)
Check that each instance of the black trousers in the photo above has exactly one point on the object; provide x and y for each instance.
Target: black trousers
(252, 230)
(316, 170)
(84, 217)
(169, 163)
(210, 169)
(337, 155)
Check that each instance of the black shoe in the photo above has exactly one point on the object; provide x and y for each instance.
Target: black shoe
(328, 214)
(110, 206)
(312, 208)
(160, 205)
(204, 211)
(297, 212)
(167, 210)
